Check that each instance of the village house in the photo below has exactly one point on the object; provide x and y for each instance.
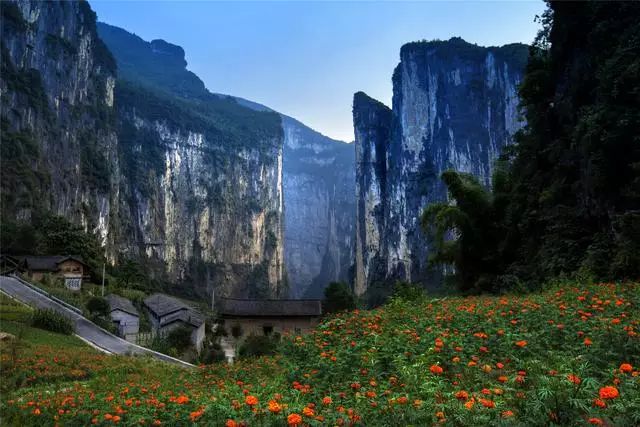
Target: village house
(124, 316)
(167, 313)
(265, 317)
(70, 269)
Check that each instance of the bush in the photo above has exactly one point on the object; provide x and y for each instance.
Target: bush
(211, 354)
(408, 292)
(259, 345)
(338, 297)
(98, 306)
(179, 338)
(53, 321)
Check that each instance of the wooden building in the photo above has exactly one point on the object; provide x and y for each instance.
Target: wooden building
(124, 316)
(67, 268)
(264, 317)
(167, 313)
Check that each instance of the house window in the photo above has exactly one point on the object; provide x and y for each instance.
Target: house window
(73, 283)
(267, 330)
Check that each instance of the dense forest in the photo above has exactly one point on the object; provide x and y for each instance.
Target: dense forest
(565, 198)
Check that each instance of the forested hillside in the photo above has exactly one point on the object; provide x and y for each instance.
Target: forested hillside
(566, 196)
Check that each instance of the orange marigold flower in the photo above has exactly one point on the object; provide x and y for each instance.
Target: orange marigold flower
(574, 379)
(609, 392)
(469, 404)
(36, 411)
(231, 423)
(274, 407)
(462, 395)
(116, 418)
(487, 403)
(436, 370)
(308, 412)
(521, 343)
(595, 421)
(440, 414)
(294, 419)
(193, 416)
(502, 379)
(182, 399)
(251, 400)
(599, 403)
(587, 342)
(327, 400)
(507, 414)
(626, 367)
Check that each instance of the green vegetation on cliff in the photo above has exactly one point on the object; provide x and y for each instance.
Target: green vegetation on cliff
(566, 196)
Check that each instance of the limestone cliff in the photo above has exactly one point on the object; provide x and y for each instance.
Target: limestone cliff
(319, 199)
(201, 194)
(454, 107)
(59, 142)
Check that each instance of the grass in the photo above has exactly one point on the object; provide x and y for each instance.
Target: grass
(566, 356)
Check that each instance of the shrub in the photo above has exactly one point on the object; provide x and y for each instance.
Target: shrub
(179, 338)
(98, 306)
(338, 297)
(259, 345)
(408, 292)
(53, 321)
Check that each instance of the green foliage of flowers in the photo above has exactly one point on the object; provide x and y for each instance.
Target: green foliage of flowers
(566, 356)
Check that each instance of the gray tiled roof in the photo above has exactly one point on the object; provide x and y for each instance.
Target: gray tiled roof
(161, 304)
(117, 302)
(46, 263)
(257, 308)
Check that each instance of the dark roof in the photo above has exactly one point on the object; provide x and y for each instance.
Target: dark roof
(161, 304)
(117, 302)
(48, 262)
(271, 307)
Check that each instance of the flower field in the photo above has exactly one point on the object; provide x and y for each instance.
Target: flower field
(569, 356)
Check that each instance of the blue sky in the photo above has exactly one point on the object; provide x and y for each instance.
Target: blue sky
(307, 59)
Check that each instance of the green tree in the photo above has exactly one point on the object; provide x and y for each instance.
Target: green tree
(464, 233)
(98, 306)
(338, 297)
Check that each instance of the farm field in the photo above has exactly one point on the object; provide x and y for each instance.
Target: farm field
(569, 355)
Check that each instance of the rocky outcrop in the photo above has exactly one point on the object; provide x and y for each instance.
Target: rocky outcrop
(201, 190)
(318, 188)
(59, 145)
(454, 107)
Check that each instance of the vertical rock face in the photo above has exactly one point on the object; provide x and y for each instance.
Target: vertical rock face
(318, 188)
(454, 107)
(319, 193)
(201, 194)
(59, 145)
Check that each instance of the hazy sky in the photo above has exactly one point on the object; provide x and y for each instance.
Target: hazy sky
(307, 59)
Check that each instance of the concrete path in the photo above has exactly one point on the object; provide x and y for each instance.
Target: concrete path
(86, 329)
